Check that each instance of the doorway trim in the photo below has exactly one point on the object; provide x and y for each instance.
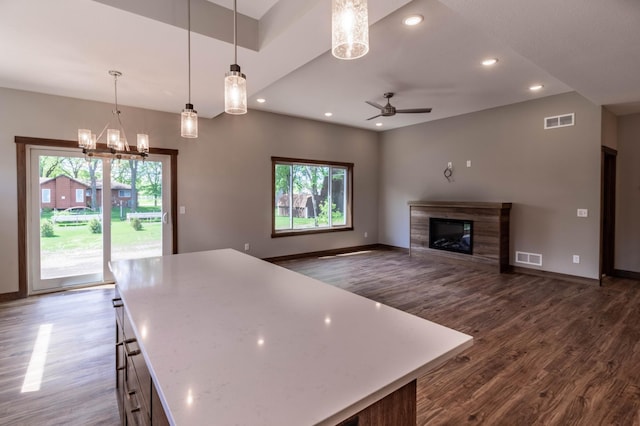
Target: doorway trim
(21, 168)
(608, 212)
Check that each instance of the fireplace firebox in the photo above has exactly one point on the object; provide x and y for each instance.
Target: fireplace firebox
(451, 235)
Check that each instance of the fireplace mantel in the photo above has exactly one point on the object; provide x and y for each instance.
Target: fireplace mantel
(461, 204)
(490, 231)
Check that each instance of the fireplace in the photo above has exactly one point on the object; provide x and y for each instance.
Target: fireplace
(451, 235)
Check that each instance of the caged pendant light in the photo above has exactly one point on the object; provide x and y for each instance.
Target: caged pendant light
(349, 29)
(189, 116)
(235, 83)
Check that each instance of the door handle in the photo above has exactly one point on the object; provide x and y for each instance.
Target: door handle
(164, 217)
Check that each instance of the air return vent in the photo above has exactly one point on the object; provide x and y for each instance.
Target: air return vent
(529, 258)
(559, 121)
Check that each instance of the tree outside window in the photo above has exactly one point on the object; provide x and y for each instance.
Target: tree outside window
(310, 196)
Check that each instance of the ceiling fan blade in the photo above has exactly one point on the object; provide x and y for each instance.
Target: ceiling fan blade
(375, 116)
(413, 110)
(375, 105)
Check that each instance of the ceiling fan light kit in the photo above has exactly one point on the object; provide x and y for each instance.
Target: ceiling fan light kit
(389, 110)
(349, 29)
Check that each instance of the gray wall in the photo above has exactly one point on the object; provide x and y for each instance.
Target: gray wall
(224, 176)
(627, 251)
(547, 174)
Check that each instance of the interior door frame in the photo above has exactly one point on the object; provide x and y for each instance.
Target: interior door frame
(22, 191)
(608, 212)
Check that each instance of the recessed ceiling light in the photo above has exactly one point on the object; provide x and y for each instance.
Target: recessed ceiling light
(379, 124)
(261, 100)
(412, 20)
(489, 62)
(328, 114)
(536, 87)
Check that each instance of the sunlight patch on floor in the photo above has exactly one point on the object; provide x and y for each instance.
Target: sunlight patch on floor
(33, 378)
(353, 253)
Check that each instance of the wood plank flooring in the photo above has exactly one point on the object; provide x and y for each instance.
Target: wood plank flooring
(545, 351)
(78, 383)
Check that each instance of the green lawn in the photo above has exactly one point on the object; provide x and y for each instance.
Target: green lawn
(69, 237)
(282, 222)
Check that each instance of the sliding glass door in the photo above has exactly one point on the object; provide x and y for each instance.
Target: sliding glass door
(83, 213)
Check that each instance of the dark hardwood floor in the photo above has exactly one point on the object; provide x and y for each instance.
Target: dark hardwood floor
(545, 351)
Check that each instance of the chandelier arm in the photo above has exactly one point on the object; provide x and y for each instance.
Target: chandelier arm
(102, 132)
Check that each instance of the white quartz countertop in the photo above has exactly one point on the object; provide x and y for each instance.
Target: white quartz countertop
(232, 340)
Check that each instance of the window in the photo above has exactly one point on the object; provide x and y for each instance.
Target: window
(46, 195)
(310, 196)
(79, 195)
(124, 193)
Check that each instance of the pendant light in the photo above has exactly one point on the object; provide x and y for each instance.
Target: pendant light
(349, 29)
(235, 83)
(189, 116)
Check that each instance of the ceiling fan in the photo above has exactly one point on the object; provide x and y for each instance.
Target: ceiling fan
(389, 110)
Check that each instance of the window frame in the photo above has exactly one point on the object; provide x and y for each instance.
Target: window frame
(348, 226)
(81, 198)
(122, 193)
(48, 198)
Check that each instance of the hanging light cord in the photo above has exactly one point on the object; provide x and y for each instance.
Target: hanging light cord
(189, 44)
(235, 34)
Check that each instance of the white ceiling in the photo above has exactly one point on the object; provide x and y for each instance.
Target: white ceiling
(66, 48)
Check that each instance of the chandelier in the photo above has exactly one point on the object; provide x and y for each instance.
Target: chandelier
(116, 140)
(349, 29)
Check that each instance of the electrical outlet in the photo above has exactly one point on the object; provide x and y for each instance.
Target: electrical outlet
(468, 163)
(183, 209)
(366, 234)
(246, 246)
(449, 165)
(576, 258)
(583, 213)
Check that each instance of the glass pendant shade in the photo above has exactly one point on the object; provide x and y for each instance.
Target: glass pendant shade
(84, 138)
(93, 143)
(189, 122)
(143, 142)
(349, 28)
(235, 91)
(113, 138)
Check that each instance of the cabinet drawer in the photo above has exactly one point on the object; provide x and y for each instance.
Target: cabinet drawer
(136, 408)
(118, 305)
(138, 377)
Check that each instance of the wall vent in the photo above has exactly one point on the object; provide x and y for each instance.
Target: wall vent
(559, 121)
(529, 258)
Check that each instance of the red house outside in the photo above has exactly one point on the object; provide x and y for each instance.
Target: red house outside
(62, 192)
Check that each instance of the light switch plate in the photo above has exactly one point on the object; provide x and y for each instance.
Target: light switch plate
(576, 258)
(583, 213)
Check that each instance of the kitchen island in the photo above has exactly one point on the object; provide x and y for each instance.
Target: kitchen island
(223, 338)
